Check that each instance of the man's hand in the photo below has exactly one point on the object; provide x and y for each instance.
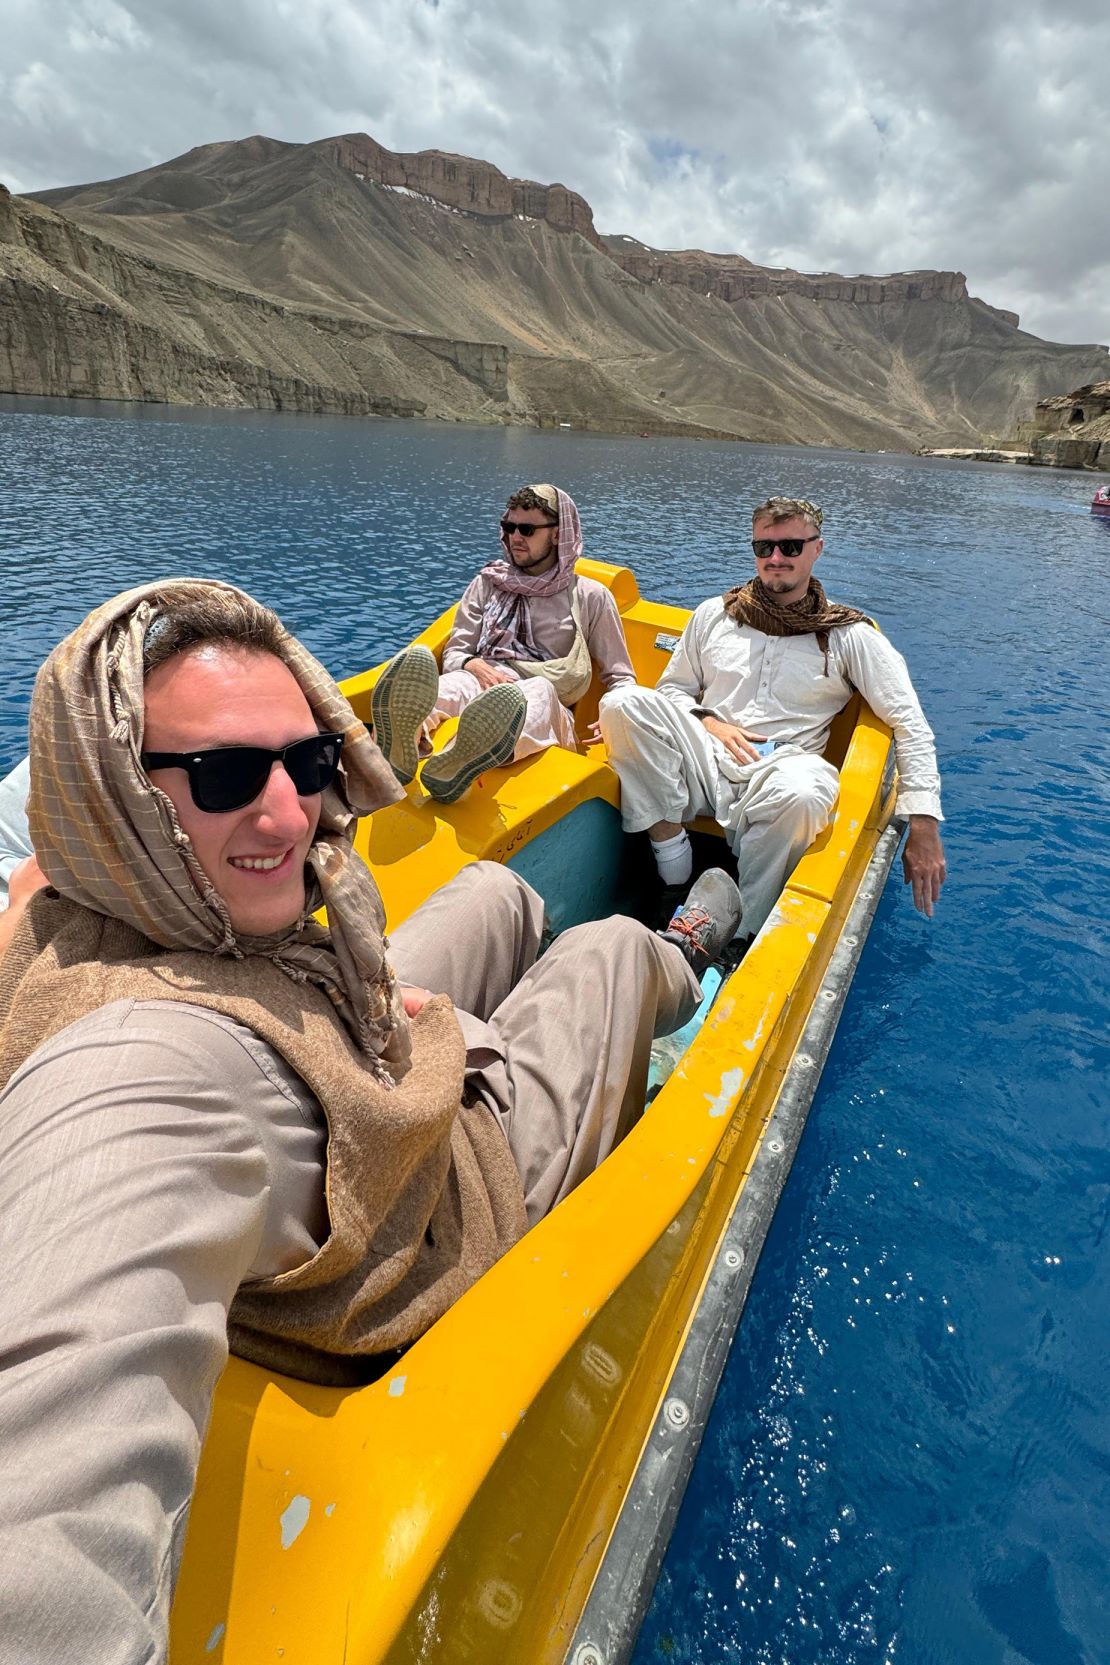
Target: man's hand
(413, 998)
(25, 879)
(736, 741)
(923, 864)
(488, 675)
(23, 882)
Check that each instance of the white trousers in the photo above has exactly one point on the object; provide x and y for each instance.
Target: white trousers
(672, 769)
(547, 721)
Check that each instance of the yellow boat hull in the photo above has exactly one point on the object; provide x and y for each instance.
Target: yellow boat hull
(459, 1508)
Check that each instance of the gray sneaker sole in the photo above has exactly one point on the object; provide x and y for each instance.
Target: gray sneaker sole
(402, 697)
(488, 731)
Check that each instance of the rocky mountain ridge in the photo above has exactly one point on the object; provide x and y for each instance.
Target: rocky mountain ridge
(343, 276)
(732, 278)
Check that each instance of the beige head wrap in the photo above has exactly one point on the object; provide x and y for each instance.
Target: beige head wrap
(108, 838)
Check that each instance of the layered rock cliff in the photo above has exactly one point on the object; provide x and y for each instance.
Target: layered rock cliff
(343, 276)
(1071, 430)
(732, 278)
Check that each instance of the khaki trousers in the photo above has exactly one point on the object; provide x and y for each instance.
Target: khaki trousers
(155, 1156)
(559, 1047)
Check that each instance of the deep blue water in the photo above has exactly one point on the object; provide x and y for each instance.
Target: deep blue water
(909, 1459)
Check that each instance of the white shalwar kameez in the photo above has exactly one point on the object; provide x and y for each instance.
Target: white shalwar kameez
(672, 769)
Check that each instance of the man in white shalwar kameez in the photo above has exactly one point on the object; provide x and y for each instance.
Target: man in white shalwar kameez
(740, 718)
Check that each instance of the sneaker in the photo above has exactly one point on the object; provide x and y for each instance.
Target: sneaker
(488, 731)
(666, 903)
(707, 919)
(402, 697)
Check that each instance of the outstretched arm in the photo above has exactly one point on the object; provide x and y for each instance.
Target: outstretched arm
(879, 672)
(133, 1201)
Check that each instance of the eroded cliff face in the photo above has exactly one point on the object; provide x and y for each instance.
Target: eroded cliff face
(460, 182)
(1072, 430)
(340, 276)
(732, 278)
(80, 317)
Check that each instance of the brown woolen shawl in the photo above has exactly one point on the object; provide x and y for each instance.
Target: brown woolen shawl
(422, 1191)
(814, 615)
(108, 839)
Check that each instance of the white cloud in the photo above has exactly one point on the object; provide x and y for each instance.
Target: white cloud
(826, 134)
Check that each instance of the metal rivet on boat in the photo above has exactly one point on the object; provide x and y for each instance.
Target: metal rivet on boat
(774, 1145)
(733, 1259)
(587, 1654)
(676, 1412)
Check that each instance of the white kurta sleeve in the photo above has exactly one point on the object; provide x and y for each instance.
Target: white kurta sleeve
(880, 673)
(684, 680)
(15, 836)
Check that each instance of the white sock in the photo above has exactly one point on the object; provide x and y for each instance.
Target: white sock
(674, 858)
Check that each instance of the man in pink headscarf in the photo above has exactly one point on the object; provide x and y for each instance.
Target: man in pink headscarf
(528, 633)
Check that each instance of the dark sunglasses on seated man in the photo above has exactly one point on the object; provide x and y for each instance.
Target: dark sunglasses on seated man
(508, 527)
(765, 547)
(230, 777)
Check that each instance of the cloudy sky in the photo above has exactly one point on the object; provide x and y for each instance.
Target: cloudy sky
(830, 135)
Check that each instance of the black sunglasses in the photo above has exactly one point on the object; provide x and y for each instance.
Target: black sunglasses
(230, 777)
(765, 547)
(508, 527)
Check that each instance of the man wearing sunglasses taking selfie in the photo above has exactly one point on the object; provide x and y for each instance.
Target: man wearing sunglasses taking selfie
(526, 636)
(737, 724)
(221, 1121)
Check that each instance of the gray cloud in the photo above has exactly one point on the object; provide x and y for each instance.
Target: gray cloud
(823, 134)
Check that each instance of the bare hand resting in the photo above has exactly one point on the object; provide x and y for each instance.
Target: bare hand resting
(736, 741)
(488, 675)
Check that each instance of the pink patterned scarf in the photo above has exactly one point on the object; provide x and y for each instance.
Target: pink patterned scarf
(506, 621)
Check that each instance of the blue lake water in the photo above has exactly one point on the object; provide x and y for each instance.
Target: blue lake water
(909, 1460)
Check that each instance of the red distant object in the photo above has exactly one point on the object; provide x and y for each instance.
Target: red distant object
(1101, 502)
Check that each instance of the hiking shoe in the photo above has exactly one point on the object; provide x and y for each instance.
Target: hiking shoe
(707, 919)
(488, 731)
(666, 903)
(402, 697)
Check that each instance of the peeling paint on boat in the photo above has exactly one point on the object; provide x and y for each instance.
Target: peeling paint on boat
(731, 1083)
(294, 1519)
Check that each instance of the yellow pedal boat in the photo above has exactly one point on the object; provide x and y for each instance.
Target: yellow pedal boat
(504, 1492)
